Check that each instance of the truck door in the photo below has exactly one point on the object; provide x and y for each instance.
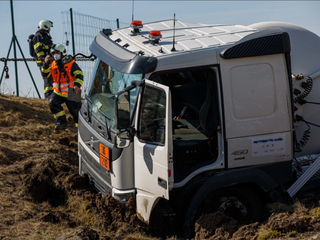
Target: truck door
(153, 147)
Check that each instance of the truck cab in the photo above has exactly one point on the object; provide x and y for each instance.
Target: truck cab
(183, 115)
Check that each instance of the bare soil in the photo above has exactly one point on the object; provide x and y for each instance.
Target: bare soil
(43, 197)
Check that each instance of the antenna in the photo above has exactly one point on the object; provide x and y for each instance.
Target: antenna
(132, 9)
(174, 32)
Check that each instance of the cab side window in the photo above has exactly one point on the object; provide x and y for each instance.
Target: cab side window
(153, 116)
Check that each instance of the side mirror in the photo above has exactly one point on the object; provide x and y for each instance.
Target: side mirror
(122, 115)
(123, 140)
(122, 101)
(122, 106)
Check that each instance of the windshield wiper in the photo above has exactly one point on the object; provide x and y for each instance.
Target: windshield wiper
(89, 113)
(107, 127)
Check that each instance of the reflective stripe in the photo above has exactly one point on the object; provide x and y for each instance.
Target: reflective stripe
(39, 61)
(46, 47)
(59, 114)
(61, 85)
(77, 72)
(45, 70)
(40, 54)
(63, 91)
(79, 81)
(59, 94)
(37, 45)
(76, 124)
(48, 89)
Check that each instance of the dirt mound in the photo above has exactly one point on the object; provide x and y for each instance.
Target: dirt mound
(300, 220)
(39, 182)
(58, 217)
(87, 233)
(247, 232)
(131, 217)
(215, 226)
(83, 233)
(53, 178)
(292, 223)
(7, 155)
(114, 216)
(48, 177)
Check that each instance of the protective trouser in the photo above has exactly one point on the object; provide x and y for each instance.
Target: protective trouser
(55, 102)
(47, 82)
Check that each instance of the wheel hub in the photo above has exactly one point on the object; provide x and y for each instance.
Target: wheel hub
(232, 202)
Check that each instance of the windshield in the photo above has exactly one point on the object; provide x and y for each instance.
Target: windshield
(105, 83)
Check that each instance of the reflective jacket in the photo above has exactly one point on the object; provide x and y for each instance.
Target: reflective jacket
(62, 81)
(41, 43)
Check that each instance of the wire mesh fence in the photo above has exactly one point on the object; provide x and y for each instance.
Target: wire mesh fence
(85, 28)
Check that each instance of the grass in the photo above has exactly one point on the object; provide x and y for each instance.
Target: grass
(267, 234)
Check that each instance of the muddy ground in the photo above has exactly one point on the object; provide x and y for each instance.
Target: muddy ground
(43, 197)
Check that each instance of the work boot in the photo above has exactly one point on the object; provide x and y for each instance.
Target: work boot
(60, 126)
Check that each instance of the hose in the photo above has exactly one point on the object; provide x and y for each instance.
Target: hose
(307, 89)
(91, 57)
(83, 57)
(304, 139)
(306, 134)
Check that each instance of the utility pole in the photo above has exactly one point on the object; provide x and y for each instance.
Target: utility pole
(13, 43)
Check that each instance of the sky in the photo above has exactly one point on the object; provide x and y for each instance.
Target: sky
(27, 15)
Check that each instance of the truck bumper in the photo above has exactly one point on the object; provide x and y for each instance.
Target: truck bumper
(99, 178)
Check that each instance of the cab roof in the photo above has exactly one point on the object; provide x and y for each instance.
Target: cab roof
(188, 37)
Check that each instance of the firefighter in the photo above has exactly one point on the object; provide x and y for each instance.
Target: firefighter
(67, 81)
(42, 43)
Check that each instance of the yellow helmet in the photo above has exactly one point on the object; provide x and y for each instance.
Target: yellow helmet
(45, 24)
(60, 48)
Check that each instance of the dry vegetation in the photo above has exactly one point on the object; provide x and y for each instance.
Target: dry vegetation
(43, 196)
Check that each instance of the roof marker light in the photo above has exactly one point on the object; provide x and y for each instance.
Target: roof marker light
(136, 25)
(155, 36)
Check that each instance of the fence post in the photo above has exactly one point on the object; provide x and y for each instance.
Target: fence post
(72, 33)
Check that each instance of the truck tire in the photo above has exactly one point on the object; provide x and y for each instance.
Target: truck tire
(242, 204)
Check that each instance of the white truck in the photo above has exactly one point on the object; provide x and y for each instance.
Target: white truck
(192, 118)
